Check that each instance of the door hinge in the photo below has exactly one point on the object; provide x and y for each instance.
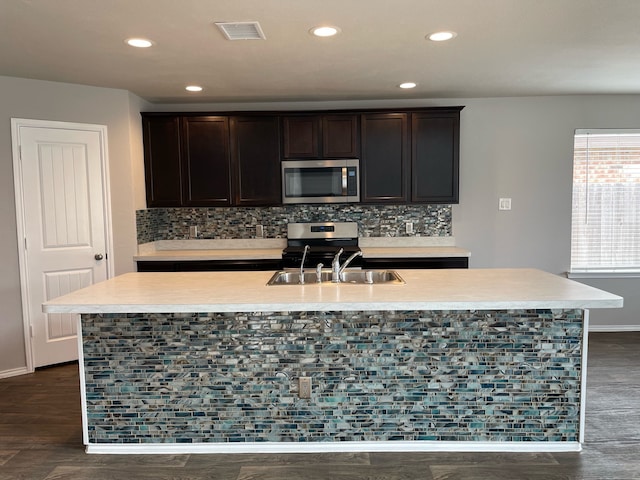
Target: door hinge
(25, 243)
(31, 330)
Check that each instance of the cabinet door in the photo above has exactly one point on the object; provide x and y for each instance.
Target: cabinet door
(340, 136)
(321, 136)
(435, 157)
(206, 161)
(385, 171)
(161, 137)
(301, 136)
(255, 152)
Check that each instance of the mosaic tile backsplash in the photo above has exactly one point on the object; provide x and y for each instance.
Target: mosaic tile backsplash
(394, 375)
(227, 223)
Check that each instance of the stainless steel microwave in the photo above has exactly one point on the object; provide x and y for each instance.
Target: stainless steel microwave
(321, 181)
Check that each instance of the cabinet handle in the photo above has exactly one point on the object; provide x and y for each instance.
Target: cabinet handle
(344, 181)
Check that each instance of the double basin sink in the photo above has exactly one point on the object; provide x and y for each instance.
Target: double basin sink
(364, 277)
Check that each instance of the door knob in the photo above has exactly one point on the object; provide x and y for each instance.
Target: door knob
(98, 256)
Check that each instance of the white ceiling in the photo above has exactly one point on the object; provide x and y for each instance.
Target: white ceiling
(503, 48)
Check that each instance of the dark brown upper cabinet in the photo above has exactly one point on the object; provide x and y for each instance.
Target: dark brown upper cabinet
(206, 161)
(211, 160)
(320, 136)
(301, 137)
(385, 166)
(411, 156)
(255, 153)
(233, 159)
(435, 139)
(163, 176)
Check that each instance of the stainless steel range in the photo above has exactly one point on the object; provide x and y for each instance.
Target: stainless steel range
(324, 241)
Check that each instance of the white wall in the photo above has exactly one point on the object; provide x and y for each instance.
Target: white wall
(510, 147)
(22, 98)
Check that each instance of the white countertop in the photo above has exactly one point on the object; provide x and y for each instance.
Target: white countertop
(213, 254)
(413, 252)
(447, 289)
(271, 249)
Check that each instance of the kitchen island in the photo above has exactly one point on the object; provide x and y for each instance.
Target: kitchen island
(480, 359)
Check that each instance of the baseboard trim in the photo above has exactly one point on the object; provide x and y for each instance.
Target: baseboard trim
(14, 372)
(329, 447)
(614, 328)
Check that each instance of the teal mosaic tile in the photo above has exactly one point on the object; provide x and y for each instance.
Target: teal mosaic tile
(240, 222)
(398, 375)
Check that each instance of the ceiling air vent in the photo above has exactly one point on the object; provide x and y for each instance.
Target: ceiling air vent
(241, 30)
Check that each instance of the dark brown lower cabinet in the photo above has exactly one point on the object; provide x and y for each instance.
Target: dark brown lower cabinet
(416, 263)
(209, 265)
(268, 265)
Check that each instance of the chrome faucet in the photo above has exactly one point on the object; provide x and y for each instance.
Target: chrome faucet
(348, 261)
(336, 269)
(319, 272)
(304, 256)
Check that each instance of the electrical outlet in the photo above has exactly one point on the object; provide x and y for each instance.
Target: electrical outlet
(259, 231)
(504, 204)
(304, 387)
(193, 231)
(408, 227)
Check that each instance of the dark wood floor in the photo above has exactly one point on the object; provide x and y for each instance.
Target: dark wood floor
(40, 438)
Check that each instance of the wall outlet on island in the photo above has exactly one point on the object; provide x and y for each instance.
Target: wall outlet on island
(304, 387)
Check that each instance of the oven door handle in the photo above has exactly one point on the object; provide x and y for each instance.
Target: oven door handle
(344, 181)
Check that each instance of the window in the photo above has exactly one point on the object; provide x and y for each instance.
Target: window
(605, 230)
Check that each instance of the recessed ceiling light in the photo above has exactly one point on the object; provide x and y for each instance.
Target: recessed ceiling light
(193, 88)
(326, 31)
(139, 42)
(407, 85)
(441, 36)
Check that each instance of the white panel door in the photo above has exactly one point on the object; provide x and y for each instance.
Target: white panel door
(65, 229)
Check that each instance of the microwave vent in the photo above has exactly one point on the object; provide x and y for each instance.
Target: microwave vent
(241, 30)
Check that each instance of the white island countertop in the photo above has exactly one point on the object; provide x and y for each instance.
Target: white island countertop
(446, 289)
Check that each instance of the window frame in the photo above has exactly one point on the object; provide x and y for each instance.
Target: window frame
(593, 270)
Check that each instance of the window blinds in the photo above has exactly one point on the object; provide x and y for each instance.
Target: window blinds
(605, 231)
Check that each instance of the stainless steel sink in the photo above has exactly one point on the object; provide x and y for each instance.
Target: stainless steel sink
(364, 277)
(371, 277)
(293, 278)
